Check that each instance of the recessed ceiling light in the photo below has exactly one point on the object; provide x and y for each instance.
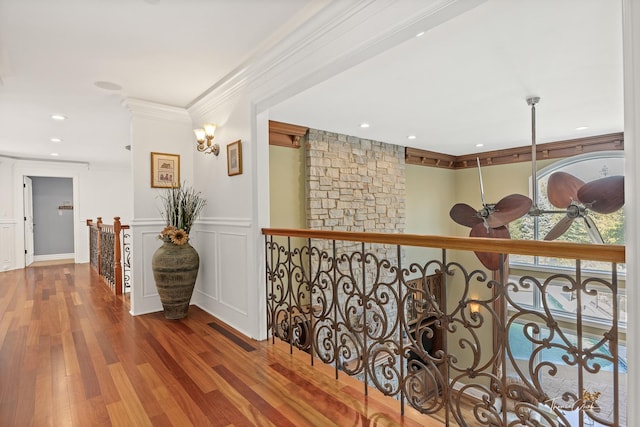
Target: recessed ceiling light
(364, 125)
(420, 34)
(411, 137)
(55, 154)
(108, 85)
(58, 117)
(582, 127)
(56, 140)
(479, 145)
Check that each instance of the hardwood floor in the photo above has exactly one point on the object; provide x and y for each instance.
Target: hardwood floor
(71, 355)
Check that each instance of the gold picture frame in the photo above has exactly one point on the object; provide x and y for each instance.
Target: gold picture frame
(234, 158)
(165, 170)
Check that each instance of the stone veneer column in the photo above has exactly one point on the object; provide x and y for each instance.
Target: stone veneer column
(354, 184)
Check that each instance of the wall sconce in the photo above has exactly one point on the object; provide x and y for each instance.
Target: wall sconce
(204, 138)
(474, 307)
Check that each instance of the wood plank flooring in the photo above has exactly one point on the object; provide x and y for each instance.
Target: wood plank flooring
(71, 355)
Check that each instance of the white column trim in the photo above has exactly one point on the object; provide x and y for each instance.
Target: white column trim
(631, 62)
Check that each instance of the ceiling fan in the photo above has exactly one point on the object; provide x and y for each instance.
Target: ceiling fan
(492, 215)
(604, 195)
(491, 220)
(565, 191)
(575, 197)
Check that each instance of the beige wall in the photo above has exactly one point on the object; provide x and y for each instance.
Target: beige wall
(287, 187)
(499, 181)
(430, 192)
(430, 195)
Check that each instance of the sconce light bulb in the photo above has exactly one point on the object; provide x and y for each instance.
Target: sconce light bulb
(209, 130)
(200, 135)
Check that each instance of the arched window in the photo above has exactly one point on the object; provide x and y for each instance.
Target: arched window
(596, 312)
(586, 167)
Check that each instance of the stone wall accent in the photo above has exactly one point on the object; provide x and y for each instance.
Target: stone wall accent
(354, 184)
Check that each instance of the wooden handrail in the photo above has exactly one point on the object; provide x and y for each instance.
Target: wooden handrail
(607, 253)
(116, 230)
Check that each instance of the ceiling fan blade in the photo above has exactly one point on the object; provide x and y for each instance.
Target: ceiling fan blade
(560, 228)
(508, 209)
(592, 230)
(562, 189)
(490, 260)
(604, 195)
(465, 215)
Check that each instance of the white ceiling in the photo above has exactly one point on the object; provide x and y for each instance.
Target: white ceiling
(466, 81)
(462, 83)
(168, 51)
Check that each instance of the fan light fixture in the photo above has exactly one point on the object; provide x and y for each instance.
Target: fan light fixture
(204, 137)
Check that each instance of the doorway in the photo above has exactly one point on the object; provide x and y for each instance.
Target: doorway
(49, 219)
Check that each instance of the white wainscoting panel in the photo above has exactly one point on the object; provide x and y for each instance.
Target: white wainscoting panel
(226, 285)
(233, 280)
(207, 284)
(150, 245)
(7, 245)
(144, 295)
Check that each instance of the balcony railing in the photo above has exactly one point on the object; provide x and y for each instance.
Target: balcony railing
(443, 335)
(110, 253)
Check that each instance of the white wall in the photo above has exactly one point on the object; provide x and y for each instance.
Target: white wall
(107, 192)
(6, 188)
(7, 220)
(227, 236)
(162, 129)
(97, 191)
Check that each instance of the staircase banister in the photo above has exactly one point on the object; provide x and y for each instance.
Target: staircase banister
(556, 249)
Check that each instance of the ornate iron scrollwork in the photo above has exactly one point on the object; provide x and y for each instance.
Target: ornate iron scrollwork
(448, 341)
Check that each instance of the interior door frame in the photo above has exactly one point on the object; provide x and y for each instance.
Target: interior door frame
(37, 169)
(27, 206)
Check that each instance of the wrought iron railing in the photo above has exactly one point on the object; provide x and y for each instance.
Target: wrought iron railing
(447, 337)
(107, 244)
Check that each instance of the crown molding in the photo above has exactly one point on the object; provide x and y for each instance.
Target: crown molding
(142, 108)
(551, 150)
(61, 163)
(337, 36)
(313, 25)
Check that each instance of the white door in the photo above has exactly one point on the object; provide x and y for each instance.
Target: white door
(28, 221)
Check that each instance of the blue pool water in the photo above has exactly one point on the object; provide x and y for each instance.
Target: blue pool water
(521, 348)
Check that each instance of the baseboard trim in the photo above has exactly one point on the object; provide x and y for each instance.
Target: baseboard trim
(53, 257)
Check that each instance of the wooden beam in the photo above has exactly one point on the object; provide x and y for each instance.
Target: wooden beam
(551, 150)
(416, 156)
(285, 134)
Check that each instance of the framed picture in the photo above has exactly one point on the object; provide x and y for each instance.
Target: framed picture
(165, 170)
(234, 158)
